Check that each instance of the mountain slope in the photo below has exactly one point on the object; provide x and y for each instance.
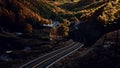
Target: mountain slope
(75, 5)
(18, 15)
(110, 12)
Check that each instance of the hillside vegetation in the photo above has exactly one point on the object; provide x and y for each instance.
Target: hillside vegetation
(16, 13)
(27, 15)
(105, 13)
(26, 30)
(77, 5)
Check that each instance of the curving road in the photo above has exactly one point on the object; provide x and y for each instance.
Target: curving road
(49, 59)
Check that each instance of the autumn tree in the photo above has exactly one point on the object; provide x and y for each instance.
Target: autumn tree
(29, 28)
(53, 33)
(63, 28)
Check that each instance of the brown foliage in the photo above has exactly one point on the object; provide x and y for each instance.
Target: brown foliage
(53, 31)
(108, 14)
(29, 28)
(18, 13)
(9, 14)
(63, 28)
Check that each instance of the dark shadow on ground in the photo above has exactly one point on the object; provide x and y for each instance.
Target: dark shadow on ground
(89, 33)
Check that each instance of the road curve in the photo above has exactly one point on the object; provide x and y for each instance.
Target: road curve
(52, 57)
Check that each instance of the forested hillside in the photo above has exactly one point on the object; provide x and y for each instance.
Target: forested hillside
(27, 15)
(105, 13)
(18, 15)
(31, 28)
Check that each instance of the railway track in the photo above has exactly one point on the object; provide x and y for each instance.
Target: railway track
(49, 59)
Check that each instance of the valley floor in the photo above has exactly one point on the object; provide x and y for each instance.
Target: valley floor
(105, 53)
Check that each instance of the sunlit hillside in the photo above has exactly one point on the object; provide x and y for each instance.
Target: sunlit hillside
(105, 13)
(77, 5)
(27, 15)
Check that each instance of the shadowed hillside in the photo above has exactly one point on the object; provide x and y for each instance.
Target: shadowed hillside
(16, 16)
(101, 17)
